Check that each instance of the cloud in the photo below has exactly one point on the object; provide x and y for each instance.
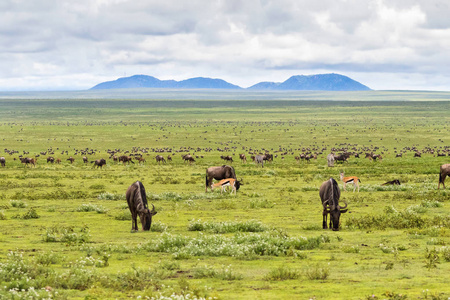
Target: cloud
(77, 44)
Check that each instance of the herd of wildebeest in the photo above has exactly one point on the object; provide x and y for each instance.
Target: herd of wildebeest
(226, 176)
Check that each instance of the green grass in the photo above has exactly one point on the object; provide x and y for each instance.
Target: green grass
(68, 226)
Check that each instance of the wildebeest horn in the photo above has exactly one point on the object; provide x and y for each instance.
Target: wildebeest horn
(153, 209)
(343, 209)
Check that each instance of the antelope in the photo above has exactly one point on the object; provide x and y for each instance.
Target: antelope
(224, 183)
(350, 179)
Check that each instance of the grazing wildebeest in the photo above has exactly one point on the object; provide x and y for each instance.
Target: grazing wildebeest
(28, 160)
(444, 172)
(417, 154)
(225, 183)
(259, 159)
(85, 159)
(99, 163)
(392, 182)
(169, 158)
(268, 157)
(141, 159)
(330, 160)
(342, 157)
(125, 159)
(2, 161)
(137, 203)
(218, 173)
(350, 179)
(159, 159)
(58, 160)
(71, 159)
(50, 159)
(329, 194)
(243, 158)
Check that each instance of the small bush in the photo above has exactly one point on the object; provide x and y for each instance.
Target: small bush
(66, 235)
(30, 214)
(261, 203)
(225, 273)
(227, 227)
(91, 207)
(123, 215)
(157, 226)
(317, 273)
(282, 273)
(18, 203)
(2, 215)
(111, 196)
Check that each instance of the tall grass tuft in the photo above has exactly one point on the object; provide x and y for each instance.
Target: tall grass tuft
(227, 227)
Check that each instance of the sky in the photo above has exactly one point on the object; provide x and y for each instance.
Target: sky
(74, 45)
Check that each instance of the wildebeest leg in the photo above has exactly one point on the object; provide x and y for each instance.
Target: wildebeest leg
(134, 226)
(324, 222)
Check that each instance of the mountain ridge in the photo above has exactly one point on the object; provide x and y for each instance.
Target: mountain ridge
(320, 82)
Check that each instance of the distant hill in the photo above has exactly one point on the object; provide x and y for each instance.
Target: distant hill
(320, 82)
(144, 81)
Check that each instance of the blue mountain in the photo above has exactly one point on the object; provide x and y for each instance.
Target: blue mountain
(320, 82)
(144, 81)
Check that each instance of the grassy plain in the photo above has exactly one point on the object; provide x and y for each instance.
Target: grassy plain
(67, 226)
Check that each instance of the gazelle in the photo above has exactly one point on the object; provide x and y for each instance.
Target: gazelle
(224, 183)
(350, 179)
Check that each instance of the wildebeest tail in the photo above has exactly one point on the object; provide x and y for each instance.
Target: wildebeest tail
(440, 177)
(143, 194)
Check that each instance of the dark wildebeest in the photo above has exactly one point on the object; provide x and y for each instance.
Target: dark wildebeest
(28, 160)
(2, 161)
(137, 203)
(342, 157)
(444, 172)
(125, 159)
(71, 159)
(159, 159)
(169, 158)
(99, 163)
(392, 182)
(227, 158)
(50, 159)
(329, 194)
(268, 157)
(243, 158)
(85, 159)
(218, 173)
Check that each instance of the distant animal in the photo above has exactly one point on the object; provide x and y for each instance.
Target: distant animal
(225, 183)
(28, 160)
(218, 173)
(268, 157)
(392, 182)
(188, 157)
(169, 158)
(159, 159)
(330, 160)
(2, 161)
(124, 159)
(227, 158)
(141, 159)
(99, 163)
(259, 159)
(50, 159)
(342, 157)
(243, 158)
(329, 195)
(350, 179)
(444, 172)
(417, 154)
(71, 159)
(58, 160)
(137, 203)
(85, 159)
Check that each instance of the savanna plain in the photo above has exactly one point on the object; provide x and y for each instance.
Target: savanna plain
(66, 228)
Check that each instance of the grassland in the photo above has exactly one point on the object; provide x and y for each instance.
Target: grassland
(67, 227)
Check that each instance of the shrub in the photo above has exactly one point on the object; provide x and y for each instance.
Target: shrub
(282, 273)
(66, 235)
(261, 203)
(18, 203)
(227, 227)
(2, 215)
(225, 273)
(111, 196)
(317, 273)
(30, 214)
(91, 207)
(157, 226)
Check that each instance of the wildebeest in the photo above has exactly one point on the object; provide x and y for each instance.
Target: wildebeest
(50, 159)
(342, 157)
(329, 194)
(28, 160)
(243, 158)
(392, 182)
(85, 159)
(137, 203)
(218, 173)
(125, 159)
(159, 159)
(71, 159)
(227, 158)
(444, 172)
(229, 182)
(2, 161)
(58, 160)
(99, 163)
(330, 160)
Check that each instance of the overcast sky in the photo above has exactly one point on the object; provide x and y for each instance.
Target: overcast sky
(384, 44)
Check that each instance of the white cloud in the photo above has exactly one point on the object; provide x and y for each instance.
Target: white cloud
(77, 44)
